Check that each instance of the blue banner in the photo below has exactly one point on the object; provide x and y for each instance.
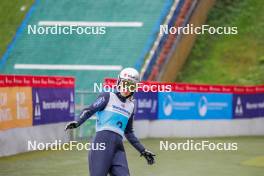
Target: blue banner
(146, 105)
(52, 105)
(182, 106)
(248, 105)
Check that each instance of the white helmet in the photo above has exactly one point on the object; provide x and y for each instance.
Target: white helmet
(129, 74)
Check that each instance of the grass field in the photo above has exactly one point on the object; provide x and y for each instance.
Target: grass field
(229, 59)
(248, 160)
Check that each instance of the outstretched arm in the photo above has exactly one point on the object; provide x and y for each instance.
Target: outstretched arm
(86, 113)
(133, 140)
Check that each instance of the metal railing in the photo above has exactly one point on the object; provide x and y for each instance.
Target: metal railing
(83, 98)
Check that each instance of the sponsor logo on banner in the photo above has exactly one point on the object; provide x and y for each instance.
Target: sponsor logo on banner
(15, 107)
(174, 105)
(52, 105)
(238, 107)
(203, 106)
(146, 105)
(248, 105)
(169, 105)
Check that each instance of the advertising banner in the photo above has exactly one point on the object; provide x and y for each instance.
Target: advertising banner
(146, 105)
(15, 107)
(52, 105)
(182, 106)
(248, 105)
(197, 101)
(32, 100)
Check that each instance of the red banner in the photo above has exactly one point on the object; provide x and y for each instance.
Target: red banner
(184, 87)
(35, 81)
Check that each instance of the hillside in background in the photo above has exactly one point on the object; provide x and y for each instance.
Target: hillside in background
(11, 15)
(229, 59)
